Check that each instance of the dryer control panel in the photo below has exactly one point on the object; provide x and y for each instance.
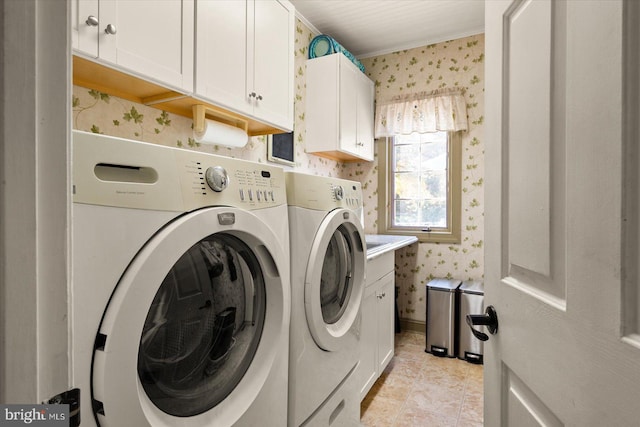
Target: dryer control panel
(112, 171)
(322, 193)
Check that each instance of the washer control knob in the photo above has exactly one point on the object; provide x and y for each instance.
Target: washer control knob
(338, 191)
(217, 178)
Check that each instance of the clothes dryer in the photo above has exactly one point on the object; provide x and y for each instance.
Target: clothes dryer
(328, 254)
(180, 292)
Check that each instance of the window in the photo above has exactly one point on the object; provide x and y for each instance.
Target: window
(420, 186)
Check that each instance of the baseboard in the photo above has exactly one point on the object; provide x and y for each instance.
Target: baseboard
(413, 326)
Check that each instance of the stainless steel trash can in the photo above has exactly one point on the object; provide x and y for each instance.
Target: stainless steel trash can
(441, 317)
(471, 294)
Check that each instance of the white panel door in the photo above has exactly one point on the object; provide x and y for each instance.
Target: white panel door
(368, 367)
(386, 320)
(84, 26)
(272, 44)
(151, 39)
(348, 106)
(561, 217)
(221, 53)
(365, 114)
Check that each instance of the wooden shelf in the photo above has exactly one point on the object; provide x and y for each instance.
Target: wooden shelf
(339, 156)
(93, 75)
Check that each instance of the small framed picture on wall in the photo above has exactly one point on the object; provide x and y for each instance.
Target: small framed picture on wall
(280, 148)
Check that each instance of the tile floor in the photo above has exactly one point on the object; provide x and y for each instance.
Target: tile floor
(418, 389)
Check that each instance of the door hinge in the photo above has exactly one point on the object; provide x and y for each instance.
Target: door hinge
(71, 398)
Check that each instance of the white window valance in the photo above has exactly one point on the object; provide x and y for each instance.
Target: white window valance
(442, 110)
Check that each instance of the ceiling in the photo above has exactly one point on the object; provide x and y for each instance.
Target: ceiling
(375, 27)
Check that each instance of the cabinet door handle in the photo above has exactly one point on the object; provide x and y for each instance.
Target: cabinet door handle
(111, 29)
(92, 21)
(252, 95)
(259, 97)
(361, 144)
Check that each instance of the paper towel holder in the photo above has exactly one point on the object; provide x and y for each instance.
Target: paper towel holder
(201, 111)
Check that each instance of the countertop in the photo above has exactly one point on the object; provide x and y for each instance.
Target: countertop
(378, 244)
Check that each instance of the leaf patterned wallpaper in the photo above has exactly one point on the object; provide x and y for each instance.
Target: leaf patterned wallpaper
(454, 63)
(99, 112)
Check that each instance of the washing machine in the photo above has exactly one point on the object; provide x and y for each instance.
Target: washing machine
(328, 254)
(180, 291)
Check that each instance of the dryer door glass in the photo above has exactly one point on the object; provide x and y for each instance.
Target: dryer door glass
(203, 328)
(337, 276)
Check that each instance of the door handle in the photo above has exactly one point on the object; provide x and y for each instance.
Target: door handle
(489, 319)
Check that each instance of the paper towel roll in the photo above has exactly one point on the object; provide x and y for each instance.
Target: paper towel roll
(221, 134)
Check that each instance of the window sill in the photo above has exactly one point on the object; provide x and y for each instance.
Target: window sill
(424, 237)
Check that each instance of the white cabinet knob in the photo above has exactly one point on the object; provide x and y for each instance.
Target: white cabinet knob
(92, 21)
(111, 29)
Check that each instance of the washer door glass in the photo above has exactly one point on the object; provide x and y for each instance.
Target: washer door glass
(337, 276)
(203, 328)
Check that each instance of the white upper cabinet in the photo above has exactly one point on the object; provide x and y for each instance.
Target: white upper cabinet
(221, 52)
(365, 116)
(150, 39)
(244, 52)
(273, 61)
(339, 109)
(84, 26)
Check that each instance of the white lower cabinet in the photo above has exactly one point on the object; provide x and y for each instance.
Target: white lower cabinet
(377, 332)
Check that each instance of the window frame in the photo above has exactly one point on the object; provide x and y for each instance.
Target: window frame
(449, 234)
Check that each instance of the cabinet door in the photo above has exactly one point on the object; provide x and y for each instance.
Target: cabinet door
(222, 54)
(339, 109)
(364, 110)
(151, 39)
(348, 105)
(272, 44)
(367, 368)
(322, 100)
(385, 319)
(84, 26)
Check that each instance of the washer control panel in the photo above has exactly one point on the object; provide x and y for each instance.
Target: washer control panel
(113, 171)
(224, 181)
